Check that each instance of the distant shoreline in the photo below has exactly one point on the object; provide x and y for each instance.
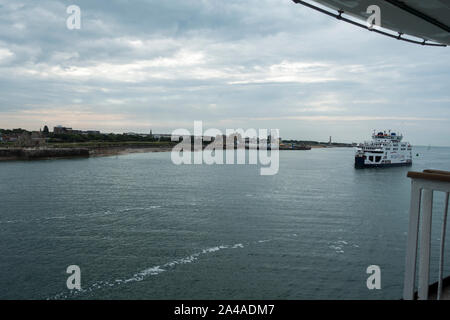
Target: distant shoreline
(46, 153)
(77, 151)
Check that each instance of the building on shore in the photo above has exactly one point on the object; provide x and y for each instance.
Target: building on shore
(61, 130)
(8, 138)
(159, 136)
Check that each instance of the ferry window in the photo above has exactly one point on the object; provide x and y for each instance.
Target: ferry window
(371, 158)
(377, 158)
(395, 149)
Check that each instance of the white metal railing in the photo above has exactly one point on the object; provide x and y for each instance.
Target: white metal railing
(423, 185)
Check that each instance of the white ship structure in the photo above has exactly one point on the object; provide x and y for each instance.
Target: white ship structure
(385, 150)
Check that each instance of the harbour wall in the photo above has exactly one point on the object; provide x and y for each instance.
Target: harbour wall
(41, 153)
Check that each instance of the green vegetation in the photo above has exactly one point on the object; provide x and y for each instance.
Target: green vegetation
(90, 140)
(309, 143)
(70, 137)
(13, 131)
(107, 144)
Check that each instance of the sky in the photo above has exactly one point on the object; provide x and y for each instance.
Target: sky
(142, 65)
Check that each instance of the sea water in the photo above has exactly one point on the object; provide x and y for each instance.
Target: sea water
(140, 227)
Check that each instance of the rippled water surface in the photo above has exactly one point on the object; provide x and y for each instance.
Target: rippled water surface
(140, 227)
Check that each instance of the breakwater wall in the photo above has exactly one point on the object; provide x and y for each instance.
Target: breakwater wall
(41, 153)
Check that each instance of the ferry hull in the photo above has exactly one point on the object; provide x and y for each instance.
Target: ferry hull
(359, 164)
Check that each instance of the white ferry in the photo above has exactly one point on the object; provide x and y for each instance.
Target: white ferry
(385, 150)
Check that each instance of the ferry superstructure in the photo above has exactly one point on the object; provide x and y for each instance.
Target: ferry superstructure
(385, 150)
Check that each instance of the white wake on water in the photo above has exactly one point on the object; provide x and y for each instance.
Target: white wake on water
(82, 215)
(151, 271)
(339, 245)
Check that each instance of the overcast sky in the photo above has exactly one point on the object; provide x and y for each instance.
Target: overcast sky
(143, 64)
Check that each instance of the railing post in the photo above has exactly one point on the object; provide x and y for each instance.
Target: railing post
(423, 184)
(442, 248)
(425, 244)
(411, 250)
